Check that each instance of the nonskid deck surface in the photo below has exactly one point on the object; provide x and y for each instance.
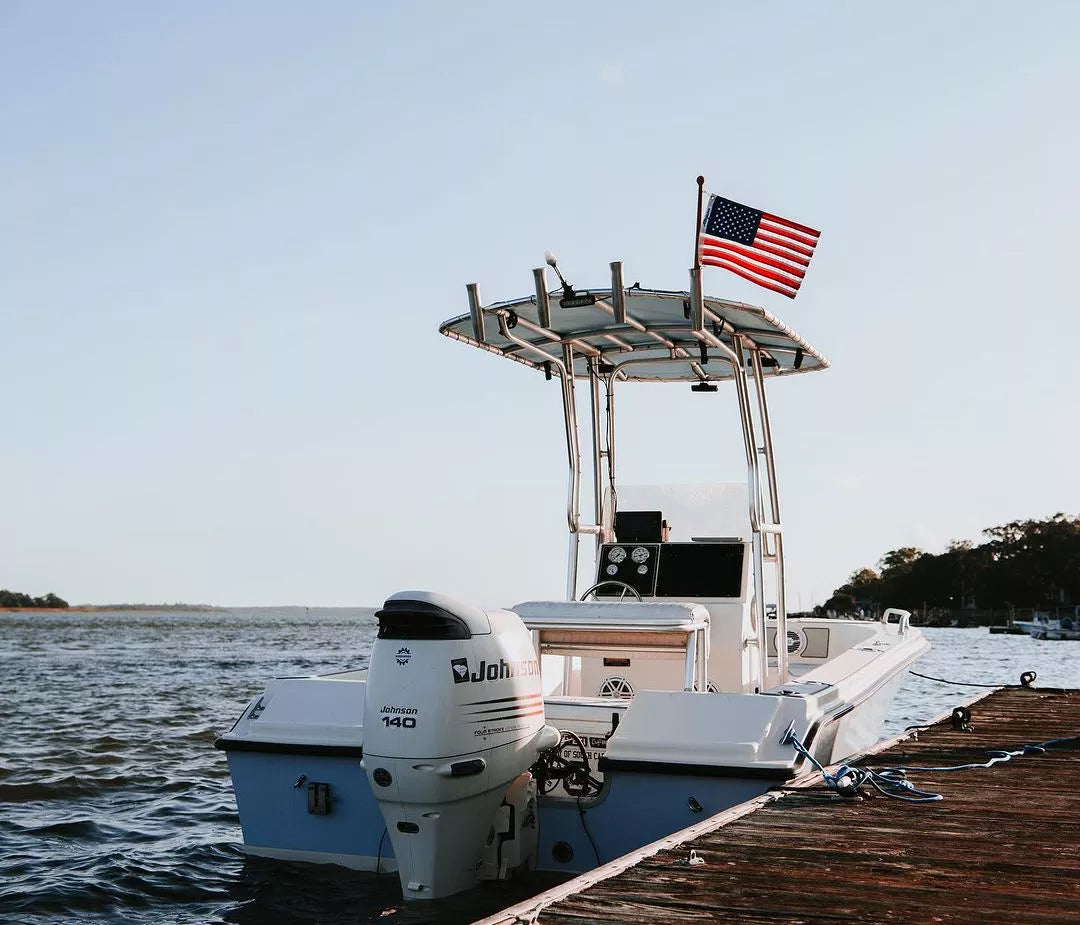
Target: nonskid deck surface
(1001, 845)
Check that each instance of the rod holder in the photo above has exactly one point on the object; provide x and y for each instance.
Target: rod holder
(543, 304)
(618, 293)
(697, 302)
(476, 311)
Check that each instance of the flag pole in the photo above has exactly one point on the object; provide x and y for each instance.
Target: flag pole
(697, 227)
(697, 299)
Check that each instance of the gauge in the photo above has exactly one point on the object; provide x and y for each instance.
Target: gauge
(640, 554)
(612, 570)
(642, 569)
(616, 554)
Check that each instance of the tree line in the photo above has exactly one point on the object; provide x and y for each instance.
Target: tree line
(17, 599)
(1025, 563)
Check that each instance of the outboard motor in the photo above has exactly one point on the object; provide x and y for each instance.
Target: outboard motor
(454, 716)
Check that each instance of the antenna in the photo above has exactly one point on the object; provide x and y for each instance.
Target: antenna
(552, 261)
(570, 299)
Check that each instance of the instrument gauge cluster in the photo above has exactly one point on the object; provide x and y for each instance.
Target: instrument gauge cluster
(631, 564)
(676, 571)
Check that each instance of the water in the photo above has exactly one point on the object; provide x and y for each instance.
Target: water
(115, 807)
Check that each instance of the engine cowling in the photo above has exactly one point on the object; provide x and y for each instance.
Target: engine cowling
(454, 714)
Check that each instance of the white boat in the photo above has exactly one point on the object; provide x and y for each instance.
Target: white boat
(560, 734)
(1059, 626)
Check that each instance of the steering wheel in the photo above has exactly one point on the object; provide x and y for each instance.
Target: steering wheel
(622, 584)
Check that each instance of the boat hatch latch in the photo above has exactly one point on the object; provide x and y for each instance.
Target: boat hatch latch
(318, 799)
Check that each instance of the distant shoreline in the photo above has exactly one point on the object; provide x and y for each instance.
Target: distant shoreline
(112, 608)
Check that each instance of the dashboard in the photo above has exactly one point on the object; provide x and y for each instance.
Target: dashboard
(679, 570)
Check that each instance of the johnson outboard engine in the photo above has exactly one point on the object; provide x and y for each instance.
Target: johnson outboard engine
(454, 717)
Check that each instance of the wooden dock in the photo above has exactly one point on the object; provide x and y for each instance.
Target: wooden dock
(1002, 846)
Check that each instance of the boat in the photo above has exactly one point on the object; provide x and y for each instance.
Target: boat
(559, 734)
(1063, 624)
(1008, 629)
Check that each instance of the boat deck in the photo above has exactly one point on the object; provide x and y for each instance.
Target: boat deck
(1002, 845)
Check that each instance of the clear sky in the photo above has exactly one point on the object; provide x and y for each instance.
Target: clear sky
(228, 235)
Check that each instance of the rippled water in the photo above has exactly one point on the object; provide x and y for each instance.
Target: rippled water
(115, 807)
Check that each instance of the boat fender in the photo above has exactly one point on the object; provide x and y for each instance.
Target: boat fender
(1027, 679)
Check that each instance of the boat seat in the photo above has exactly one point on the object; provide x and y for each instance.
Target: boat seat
(631, 615)
(596, 631)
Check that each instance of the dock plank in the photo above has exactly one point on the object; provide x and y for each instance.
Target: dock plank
(1003, 845)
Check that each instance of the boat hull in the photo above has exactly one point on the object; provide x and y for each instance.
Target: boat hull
(635, 807)
(639, 807)
(666, 759)
(273, 802)
(860, 728)
(1049, 630)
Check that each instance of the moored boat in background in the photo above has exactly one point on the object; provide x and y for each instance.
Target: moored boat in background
(1063, 624)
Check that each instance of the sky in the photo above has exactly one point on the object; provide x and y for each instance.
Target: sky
(228, 235)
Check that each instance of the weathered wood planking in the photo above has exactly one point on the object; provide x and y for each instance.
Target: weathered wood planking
(1003, 846)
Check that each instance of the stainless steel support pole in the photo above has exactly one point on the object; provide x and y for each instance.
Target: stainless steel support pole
(690, 668)
(598, 483)
(774, 516)
(703, 678)
(753, 482)
(609, 390)
(574, 504)
(565, 369)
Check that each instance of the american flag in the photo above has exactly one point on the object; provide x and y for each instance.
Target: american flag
(767, 250)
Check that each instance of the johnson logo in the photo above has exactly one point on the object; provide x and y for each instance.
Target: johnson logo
(493, 671)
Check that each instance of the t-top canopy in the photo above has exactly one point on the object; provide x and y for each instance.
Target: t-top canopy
(657, 335)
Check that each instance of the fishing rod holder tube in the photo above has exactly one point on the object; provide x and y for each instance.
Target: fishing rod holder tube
(618, 294)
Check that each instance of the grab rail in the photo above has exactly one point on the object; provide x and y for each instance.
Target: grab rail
(904, 618)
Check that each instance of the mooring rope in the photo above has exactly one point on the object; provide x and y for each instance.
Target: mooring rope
(958, 683)
(1026, 680)
(994, 756)
(892, 781)
(847, 780)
